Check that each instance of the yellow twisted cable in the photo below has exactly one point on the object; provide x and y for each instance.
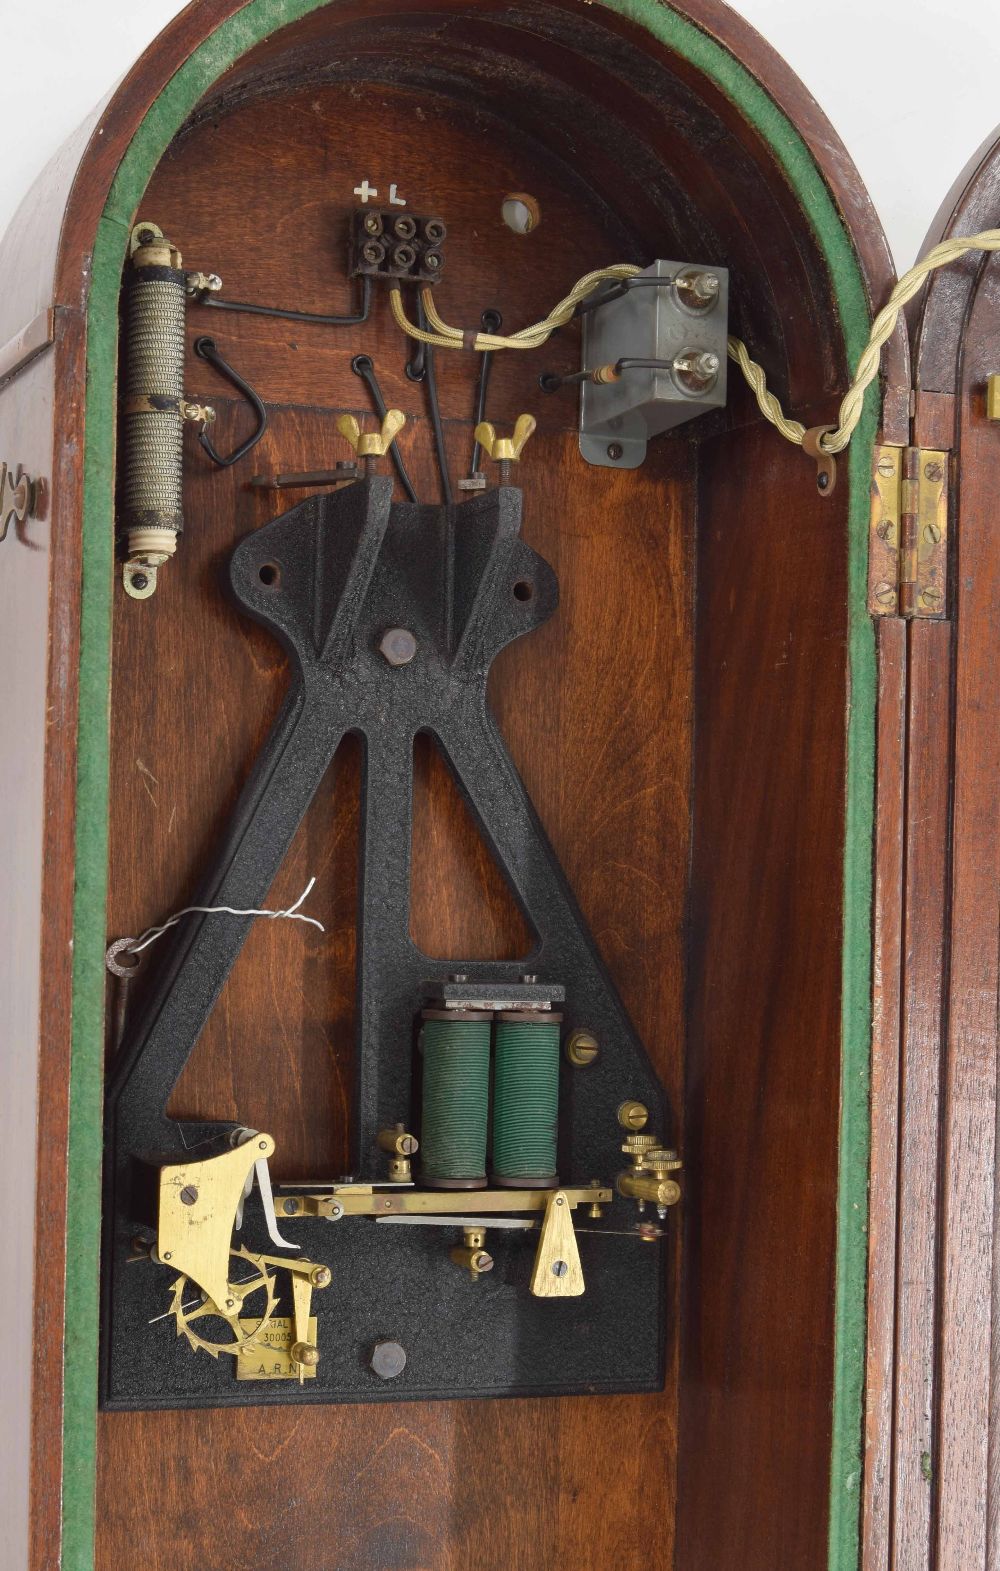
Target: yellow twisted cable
(867, 367)
(445, 337)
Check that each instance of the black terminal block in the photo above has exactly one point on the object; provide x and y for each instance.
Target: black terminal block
(388, 244)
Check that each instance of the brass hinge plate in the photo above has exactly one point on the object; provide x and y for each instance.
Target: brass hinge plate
(908, 534)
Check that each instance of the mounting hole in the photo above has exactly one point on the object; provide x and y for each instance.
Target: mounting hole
(520, 212)
(523, 590)
(269, 574)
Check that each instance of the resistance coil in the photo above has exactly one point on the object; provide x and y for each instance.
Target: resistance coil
(153, 407)
(526, 1099)
(456, 1089)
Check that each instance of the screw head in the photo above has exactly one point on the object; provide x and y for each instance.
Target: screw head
(321, 1276)
(388, 1360)
(886, 467)
(559, 1268)
(933, 470)
(398, 646)
(139, 581)
(615, 450)
(189, 1195)
(582, 1048)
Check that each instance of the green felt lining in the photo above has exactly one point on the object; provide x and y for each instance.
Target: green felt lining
(195, 77)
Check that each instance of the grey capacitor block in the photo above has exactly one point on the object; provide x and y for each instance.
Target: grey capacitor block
(677, 323)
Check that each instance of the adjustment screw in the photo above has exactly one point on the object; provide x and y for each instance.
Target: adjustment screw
(388, 1360)
(582, 1047)
(398, 645)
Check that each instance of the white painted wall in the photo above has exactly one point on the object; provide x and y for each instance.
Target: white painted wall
(908, 84)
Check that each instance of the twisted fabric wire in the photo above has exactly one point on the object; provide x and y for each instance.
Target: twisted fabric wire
(443, 336)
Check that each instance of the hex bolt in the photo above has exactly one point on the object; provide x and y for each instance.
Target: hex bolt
(398, 646)
(388, 1360)
(189, 1195)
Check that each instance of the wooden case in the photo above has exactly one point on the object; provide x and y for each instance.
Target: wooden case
(777, 812)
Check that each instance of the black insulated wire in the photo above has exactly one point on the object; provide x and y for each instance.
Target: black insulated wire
(206, 298)
(621, 288)
(430, 381)
(550, 382)
(364, 366)
(205, 349)
(492, 322)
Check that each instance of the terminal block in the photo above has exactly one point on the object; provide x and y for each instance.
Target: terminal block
(388, 244)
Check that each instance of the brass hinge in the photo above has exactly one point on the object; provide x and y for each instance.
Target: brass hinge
(908, 534)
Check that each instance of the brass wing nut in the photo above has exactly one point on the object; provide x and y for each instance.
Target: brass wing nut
(505, 449)
(372, 444)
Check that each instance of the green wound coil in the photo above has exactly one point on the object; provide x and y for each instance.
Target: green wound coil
(456, 1095)
(526, 1099)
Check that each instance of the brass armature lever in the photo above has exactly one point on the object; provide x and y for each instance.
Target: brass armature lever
(372, 444)
(505, 449)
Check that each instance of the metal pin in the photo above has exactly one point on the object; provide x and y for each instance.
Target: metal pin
(492, 322)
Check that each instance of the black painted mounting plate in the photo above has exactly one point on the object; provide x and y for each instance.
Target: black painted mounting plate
(462, 1338)
(328, 579)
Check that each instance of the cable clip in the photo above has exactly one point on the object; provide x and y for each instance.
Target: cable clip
(826, 463)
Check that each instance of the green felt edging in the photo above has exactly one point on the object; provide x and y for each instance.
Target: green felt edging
(195, 77)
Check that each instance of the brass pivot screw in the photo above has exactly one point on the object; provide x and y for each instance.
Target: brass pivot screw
(633, 1115)
(401, 1146)
(471, 1253)
(582, 1048)
(505, 450)
(372, 444)
(321, 1276)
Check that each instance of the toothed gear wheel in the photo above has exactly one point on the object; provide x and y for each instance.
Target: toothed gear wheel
(185, 1312)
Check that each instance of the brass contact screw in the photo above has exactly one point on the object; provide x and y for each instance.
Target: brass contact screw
(372, 444)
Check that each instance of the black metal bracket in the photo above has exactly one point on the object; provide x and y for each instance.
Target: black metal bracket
(328, 580)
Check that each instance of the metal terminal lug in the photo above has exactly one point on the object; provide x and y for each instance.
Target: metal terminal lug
(202, 284)
(697, 289)
(696, 370)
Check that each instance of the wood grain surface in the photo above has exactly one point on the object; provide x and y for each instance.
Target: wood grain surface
(632, 152)
(596, 708)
